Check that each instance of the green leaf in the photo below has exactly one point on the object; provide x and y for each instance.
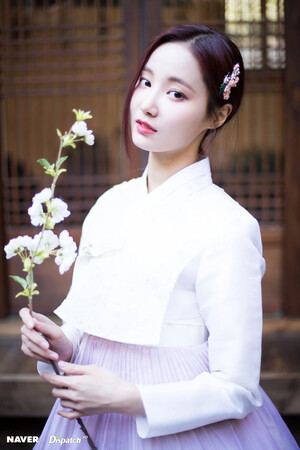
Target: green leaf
(87, 115)
(61, 171)
(82, 115)
(19, 280)
(29, 278)
(27, 265)
(35, 293)
(49, 225)
(69, 144)
(68, 141)
(44, 163)
(50, 172)
(58, 133)
(60, 161)
(23, 293)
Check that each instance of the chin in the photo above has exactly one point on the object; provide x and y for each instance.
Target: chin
(141, 143)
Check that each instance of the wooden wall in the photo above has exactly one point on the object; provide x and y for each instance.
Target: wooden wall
(56, 56)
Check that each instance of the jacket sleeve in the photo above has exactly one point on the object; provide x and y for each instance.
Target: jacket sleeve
(228, 290)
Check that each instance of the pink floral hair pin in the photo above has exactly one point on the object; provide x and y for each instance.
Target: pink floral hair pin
(230, 81)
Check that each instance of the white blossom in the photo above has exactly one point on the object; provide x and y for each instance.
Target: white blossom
(66, 255)
(89, 138)
(40, 257)
(80, 128)
(42, 196)
(48, 242)
(59, 210)
(13, 248)
(44, 245)
(65, 263)
(27, 242)
(17, 245)
(36, 213)
(66, 241)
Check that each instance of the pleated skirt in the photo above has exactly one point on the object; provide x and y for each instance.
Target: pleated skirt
(262, 429)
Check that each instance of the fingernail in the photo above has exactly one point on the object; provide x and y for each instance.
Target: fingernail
(53, 355)
(44, 345)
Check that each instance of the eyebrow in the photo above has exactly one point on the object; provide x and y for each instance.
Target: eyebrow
(176, 79)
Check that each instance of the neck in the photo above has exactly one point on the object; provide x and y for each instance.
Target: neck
(162, 166)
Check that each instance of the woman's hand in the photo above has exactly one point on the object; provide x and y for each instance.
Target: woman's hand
(55, 345)
(93, 390)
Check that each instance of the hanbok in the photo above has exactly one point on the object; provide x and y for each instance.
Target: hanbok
(166, 293)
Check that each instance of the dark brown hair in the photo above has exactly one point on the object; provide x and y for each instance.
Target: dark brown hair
(216, 55)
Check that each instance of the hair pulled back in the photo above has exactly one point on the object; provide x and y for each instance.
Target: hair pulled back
(216, 55)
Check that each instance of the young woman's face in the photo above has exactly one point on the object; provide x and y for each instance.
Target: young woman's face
(168, 110)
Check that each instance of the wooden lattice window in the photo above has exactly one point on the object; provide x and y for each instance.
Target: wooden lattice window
(55, 56)
(248, 159)
(60, 54)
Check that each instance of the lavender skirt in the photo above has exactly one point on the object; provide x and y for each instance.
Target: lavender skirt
(262, 429)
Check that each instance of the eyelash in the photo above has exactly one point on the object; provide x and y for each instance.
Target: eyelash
(144, 79)
(182, 96)
(177, 92)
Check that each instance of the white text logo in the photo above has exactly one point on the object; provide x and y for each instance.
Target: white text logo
(19, 439)
(56, 440)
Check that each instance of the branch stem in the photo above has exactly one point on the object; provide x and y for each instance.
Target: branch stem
(79, 420)
(31, 281)
(56, 370)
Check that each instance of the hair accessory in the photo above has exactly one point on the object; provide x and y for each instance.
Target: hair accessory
(230, 81)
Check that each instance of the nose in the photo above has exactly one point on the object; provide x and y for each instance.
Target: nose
(149, 105)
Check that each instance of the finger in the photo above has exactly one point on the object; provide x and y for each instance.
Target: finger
(51, 330)
(68, 404)
(41, 317)
(39, 349)
(64, 394)
(35, 337)
(26, 317)
(69, 414)
(58, 380)
(37, 318)
(73, 369)
(36, 356)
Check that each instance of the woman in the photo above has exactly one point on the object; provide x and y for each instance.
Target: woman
(162, 324)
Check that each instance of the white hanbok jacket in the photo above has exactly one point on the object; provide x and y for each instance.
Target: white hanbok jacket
(178, 266)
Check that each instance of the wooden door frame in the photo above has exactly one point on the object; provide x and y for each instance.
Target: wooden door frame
(291, 244)
(142, 22)
(4, 295)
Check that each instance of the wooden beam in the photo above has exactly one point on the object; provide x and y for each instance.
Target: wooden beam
(132, 36)
(151, 18)
(25, 395)
(291, 249)
(4, 295)
(284, 391)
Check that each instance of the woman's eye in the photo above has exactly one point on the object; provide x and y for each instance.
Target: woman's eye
(145, 82)
(177, 95)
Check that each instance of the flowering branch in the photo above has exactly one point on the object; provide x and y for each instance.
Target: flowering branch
(46, 211)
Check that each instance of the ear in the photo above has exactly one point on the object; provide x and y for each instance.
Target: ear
(221, 115)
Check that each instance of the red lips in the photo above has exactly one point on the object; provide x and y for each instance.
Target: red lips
(144, 127)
